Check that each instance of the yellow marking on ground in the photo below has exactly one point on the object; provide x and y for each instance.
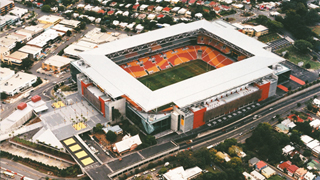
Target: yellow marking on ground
(79, 126)
(69, 141)
(87, 161)
(75, 148)
(81, 154)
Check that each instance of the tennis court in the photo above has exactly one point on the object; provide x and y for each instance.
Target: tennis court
(175, 74)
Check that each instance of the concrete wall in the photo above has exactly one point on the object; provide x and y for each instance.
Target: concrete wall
(118, 104)
(188, 123)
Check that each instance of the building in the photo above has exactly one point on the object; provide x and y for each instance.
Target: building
(8, 43)
(19, 11)
(299, 173)
(116, 129)
(287, 149)
(284, 165)
(282, 128)
(268, 172)
(56, 64)
(18, 83)
(8, 20)
(50, 19)
(288, 123)
(257, 175)
(5, 74)
(44, 39)
(315, 124)
(33, 52)
(61, 28)
(260, 30)
(127, 144)
(75, 49)
(223, 156)
(248, 176)
(306, 139)
(260, 165)
(179, 173)
(70, 23)
(15, 58)
(6, 6)
(309, 176)
(313, 144)
(46, 137)
(172, 107)
(292, 169)
(16, 119)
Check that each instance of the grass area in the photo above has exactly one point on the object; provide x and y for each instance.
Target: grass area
(269, 37)
(276, 177)
(295, 57)
(175, 74)
(210, 169)
(315, 29)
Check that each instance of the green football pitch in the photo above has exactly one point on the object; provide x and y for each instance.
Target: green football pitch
(175, 74)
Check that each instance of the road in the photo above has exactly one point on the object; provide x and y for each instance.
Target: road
(25, 170)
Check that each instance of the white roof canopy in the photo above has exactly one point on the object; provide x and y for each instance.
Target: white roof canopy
(117, 82)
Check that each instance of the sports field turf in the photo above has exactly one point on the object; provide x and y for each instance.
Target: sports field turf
(175, 74)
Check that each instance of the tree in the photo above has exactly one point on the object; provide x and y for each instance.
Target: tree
(162, 170)
(68, 33)
(26, 64)
(274, 26)
(38, 82)
(303, 46)
(115, 114)
(83, 25)
(29, 4)
(103, 29)
(45, 8)
(3, 96)
(61, 8)
(308, 66)
(307, 153)
(98, 128)
(111, 136)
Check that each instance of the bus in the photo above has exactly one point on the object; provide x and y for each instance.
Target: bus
(8, 174)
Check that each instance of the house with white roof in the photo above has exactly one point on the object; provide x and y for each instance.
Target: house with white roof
(127, 144)
(180, 174)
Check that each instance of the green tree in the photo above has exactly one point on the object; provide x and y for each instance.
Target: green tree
(303, 45)
(162, 170)
(115, 114)
(61, 8)
(308, 66)
(45, 8)
(307, 153)
(111, 136)
(68, 33)
(103, 29)
(26, 64)
(98, 128)
(3, 96)
(274, 26)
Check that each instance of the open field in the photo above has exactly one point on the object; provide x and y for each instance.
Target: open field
(175, 74)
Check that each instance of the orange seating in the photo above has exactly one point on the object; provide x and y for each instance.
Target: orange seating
(226, 50)
(163, 64)
(175, 60)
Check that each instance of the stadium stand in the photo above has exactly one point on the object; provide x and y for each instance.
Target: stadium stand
(177, 56)
(241, 57)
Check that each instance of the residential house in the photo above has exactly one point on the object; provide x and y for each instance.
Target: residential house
(313, 165)
(268, 172)
(284, 165)
(257, 175)
(151, 7)
(248, 176)
(127, 144)
(306, 139)
(309, 176)
(260, 165)
(282, 128)
(110, 12)
(287, 149)
(224, 156)
(292, 169)
(253, 161)
(300, 173)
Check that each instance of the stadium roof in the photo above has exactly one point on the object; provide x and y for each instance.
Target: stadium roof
(117, 82)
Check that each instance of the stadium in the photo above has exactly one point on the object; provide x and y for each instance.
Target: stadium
(178, 78)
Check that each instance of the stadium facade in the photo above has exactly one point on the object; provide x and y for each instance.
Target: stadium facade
(244, 72)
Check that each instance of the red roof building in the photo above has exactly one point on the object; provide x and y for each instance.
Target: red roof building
(213, 4)
(110, 12)
(113, 4)
(291, 169)
(22, 105)
(191, 2)
(184, 1)
(225, 7)
(135, 7)
(284, 165)
(160, 16)
(200, 2)
(101, 11)
(35, 98)
(150, 8)
(166, 9)
(260, 165)
(217, 9)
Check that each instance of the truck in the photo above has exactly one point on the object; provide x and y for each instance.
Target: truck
(166, 164)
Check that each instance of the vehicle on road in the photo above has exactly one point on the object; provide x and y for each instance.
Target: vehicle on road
(146, 172)
(166, 164)
(153, 169)
(8, 174)
(240, 134)
(189, 141)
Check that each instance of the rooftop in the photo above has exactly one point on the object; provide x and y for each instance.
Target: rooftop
(5, 72)
(20, 79)
(5, 3)
(42, 39)
(50, 18)
(180, 174)
(58, 61)
(115, 80)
